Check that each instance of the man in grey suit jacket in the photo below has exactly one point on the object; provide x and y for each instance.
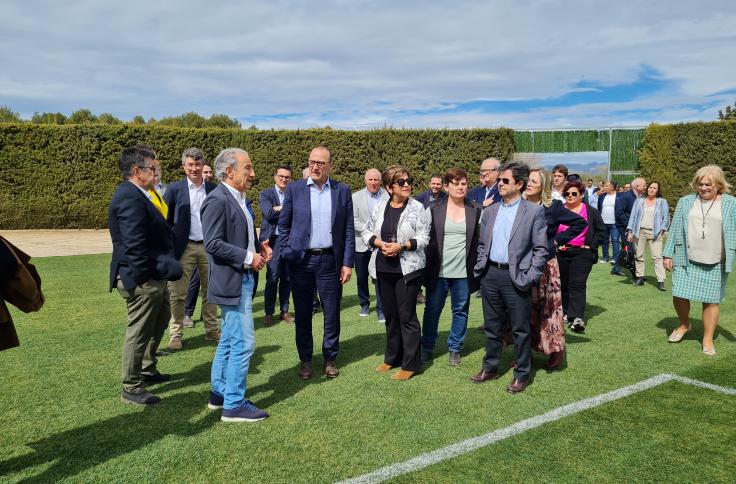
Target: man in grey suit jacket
(364, 201)
(512, 253)
(230, 241)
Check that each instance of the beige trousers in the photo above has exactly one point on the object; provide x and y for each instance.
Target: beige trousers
(655, 247)
(194, 256)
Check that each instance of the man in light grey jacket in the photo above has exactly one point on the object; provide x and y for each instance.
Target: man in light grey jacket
(512, 253)
(364, 201)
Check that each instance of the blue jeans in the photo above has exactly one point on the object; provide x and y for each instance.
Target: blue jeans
(237, 344)
(614, 238)
(459, 301)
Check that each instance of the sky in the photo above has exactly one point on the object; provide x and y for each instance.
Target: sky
(356, 64)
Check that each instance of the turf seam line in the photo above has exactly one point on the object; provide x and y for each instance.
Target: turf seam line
(474, 443)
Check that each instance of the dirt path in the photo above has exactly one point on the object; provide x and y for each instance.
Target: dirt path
(45, 243)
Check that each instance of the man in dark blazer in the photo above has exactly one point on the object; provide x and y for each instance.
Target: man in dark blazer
(231, 244)
(318, 243)
(512, 253)
(142, 262)
(434, 194)
(623, 207)
(487, 192)
(185, 198)
(277, 277)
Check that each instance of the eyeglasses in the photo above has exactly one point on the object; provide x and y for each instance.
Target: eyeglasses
(405, 181)
(287, 178)
(570, 194)
(506, 181)
(320, 164)
(152, 168)
(485, 172)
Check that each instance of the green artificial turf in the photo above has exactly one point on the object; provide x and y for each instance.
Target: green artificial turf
(61, 417)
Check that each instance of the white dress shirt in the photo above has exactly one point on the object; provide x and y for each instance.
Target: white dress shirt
(196, 197)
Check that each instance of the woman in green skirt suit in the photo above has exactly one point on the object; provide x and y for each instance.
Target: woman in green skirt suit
(701, 250)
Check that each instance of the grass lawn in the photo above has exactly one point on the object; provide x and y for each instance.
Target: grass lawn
(62, 419)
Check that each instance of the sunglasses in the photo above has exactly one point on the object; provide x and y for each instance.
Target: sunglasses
(507, 181)
(405, 181)
(570, 194)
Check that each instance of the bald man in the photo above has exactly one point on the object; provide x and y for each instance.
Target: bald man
(364, 202)
(623, 207)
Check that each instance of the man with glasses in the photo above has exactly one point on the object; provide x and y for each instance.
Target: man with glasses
(317, 240)
(277, 277)
(185, 198)
(512, 253)
(142, 261)
(487, 192)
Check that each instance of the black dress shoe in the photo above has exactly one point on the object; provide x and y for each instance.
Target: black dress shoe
(639, 281)
(140, 398)
(617, 273)
(484, 376)
(517, 386)
(156, 378)
(660, 286)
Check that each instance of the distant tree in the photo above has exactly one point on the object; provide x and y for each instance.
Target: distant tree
(730, 113)
(253, 127)
(82, 116)
(7, 115)
(222, 121)
(107, 118)
(138, 119)
(187, 120)
(48, 118)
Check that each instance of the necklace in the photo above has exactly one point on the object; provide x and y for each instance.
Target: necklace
(705, 214)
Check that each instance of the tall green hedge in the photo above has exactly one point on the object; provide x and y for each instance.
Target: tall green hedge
(64, 176)
(671, 154)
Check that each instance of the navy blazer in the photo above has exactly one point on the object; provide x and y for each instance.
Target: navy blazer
(226, 237)
(437, 242)
(622, 208)
(177, 198)
(268, 199)
(142, 242)
(478, 194)
(295, 223)
(425, 198)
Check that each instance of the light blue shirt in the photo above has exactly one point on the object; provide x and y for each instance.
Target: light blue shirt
(321, 207)
(502, 231)
(373, 200)
(279, 194)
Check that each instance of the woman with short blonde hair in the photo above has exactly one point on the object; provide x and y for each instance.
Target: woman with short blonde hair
(700, 251)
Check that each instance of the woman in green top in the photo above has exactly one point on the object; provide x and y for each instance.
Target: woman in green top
(451, 256)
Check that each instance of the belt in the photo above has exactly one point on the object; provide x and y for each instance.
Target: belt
(325, 251)
(196, 241)
(499, 265)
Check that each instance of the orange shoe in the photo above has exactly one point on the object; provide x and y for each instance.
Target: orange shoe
(403, 375)
(383, 368)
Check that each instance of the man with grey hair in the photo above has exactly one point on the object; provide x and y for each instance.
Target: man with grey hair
(230, 241)
(624, 206)
(487, 192)
(185, 198)
(364, 201)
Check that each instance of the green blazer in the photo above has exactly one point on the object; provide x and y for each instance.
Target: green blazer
(676, 246)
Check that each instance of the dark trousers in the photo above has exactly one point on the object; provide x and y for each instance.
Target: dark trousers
(575, 265)
(192, 292)
(361, 273)
(504, 305)
(316, 272)
(403, 334)
(277, 280)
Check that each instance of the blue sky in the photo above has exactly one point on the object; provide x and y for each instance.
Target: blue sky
(360, 64)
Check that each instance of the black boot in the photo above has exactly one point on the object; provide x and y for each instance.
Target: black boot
(639, 281)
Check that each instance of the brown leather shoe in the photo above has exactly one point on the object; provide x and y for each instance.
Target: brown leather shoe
(268, 320)
(331, 370)
(175, 343)
(517, 386)
(383, 368)
(403, 375)
(555, 361)
(305, 370)
(213, 337)
(484, 376)
(287, 318)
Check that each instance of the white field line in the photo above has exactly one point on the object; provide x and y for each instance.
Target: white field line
(469, 445)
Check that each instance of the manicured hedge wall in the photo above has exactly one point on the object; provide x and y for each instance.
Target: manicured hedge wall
(64, 176)
(671, 154)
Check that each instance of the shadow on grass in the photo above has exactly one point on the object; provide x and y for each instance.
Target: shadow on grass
(696, 329)
(74, 451)
(591, 311)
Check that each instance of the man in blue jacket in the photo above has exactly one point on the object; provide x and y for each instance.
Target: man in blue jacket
(487, 192)
(624, 205)
(317, 240)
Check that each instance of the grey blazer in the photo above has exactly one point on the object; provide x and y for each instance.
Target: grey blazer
(361, 215)
(527, 245)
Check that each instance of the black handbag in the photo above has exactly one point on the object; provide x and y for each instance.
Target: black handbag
(627, 257)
